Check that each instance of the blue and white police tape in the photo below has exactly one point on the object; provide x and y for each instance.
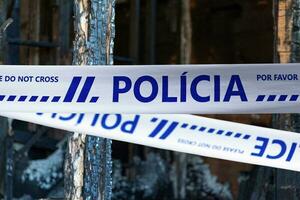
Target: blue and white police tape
(184, 133)
(261, 88)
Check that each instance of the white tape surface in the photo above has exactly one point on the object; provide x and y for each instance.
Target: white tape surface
(263, 88)
(184, 133)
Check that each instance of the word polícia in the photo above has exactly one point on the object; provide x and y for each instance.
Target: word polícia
(193, 88)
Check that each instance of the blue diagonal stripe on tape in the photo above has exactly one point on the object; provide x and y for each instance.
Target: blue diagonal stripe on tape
(158, 128)
(72, 89)
(86, 89)
(169, 130)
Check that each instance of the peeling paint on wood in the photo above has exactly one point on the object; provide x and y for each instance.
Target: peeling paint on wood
(93, 45)
(74, 169)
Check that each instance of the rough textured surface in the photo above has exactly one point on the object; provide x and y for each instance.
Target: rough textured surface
(93, 45)
(74, 169)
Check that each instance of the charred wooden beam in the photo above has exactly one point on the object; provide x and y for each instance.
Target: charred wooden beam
(88, 165)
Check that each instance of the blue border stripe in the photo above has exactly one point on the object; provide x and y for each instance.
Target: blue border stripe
(271, 98)
(11, 98)
(246, 137)
(202, 128)
(211, 130)
(22, 98)
(237, 135)
(44, 99)
(33, 98)
(94, 99)
(282, 97)
(260, 97)
(294, 97)
(154, 119)
(229, 133)
(55, 99)
(184, 125)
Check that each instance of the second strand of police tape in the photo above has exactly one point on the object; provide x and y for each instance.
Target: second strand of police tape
(183, 133)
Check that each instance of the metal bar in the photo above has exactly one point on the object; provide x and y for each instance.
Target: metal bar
(65, 9)
(13, 31)
(125, 59)
(150, 31)
(134, 29)
(45, 142)
(31, 43)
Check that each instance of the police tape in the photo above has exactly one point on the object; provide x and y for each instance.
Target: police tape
(184, 133)
(261, 88)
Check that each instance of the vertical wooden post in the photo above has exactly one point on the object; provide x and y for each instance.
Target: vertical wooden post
(74, 169)
(88, 160)
(288, 48)
(185, 58)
